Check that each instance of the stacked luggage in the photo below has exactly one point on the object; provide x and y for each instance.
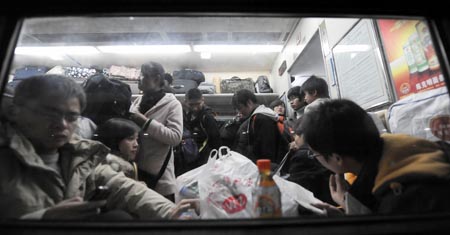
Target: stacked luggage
(186, 79)
(207, 88)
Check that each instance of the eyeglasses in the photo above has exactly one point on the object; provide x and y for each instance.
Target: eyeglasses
(54, 115)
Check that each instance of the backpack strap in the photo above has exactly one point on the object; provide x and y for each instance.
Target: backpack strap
(164, 166)
(204, 130)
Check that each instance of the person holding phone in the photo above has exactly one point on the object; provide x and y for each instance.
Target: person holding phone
(46, 172)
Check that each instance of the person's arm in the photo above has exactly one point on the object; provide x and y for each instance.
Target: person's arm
(212, 130)
(171, 132)
(136, 198)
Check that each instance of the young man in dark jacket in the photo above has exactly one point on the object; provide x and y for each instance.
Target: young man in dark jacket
(258, 135)
(396, 174)
(201, 122)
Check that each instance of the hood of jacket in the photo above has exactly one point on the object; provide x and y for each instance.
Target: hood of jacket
(261, 109)
(405, 156)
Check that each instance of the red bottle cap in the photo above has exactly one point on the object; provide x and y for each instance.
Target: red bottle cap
(263, 164)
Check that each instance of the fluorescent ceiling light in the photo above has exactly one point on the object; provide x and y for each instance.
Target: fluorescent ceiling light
(56, 50)
(147, 49)
(205, 55)
(238, 48)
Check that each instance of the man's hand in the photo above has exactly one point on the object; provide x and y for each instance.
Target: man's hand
(74, 208)
(338, 188)
(183, 206)
(331, 210)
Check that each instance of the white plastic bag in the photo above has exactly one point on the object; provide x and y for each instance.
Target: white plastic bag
(293, 195)
(414, 114)
(187, 183)
(225, 186)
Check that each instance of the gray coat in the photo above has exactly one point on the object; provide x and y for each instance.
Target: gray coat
(28, 186)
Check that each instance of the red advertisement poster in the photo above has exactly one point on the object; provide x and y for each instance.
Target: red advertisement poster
(411, 56)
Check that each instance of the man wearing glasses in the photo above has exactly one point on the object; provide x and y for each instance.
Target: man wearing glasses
(396, 173)
(45, 173)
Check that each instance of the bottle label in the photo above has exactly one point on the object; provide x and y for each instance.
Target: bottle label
(266, 206)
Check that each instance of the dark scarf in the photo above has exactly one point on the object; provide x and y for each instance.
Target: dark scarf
(149, 99)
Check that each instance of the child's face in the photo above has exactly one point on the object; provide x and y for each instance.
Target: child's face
(128, 147)
(279, 109)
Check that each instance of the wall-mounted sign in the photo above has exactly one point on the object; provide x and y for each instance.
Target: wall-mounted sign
(282, 68)
(410, 53)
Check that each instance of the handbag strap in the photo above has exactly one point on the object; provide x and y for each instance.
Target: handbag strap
(164, 166)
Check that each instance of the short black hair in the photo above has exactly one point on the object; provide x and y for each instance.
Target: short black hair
(168, 78)
(318, 84)
(193, 94)
(296, 92)
(48, 85)
(275, 103)
(114, 130)
(241, 97)
(341, 126)
(153, 70)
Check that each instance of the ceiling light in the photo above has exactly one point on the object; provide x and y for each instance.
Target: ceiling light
(205, 55)
(147, 49)
(238, 48)
(56, 50)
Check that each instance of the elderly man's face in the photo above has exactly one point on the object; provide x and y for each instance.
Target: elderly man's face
(47, 122)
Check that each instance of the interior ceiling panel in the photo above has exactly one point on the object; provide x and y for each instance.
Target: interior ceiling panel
(159, 30)
(252, 37)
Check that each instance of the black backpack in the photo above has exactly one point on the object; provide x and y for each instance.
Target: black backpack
(189, 74)
(262, 85)
(106, 98)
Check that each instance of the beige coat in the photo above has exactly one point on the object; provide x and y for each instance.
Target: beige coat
(165, 130)
(27, 185)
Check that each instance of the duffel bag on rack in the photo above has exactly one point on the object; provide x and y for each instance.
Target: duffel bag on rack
(189, 74)
(235, 83)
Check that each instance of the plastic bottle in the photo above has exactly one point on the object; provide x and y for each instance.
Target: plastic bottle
(267, 195)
